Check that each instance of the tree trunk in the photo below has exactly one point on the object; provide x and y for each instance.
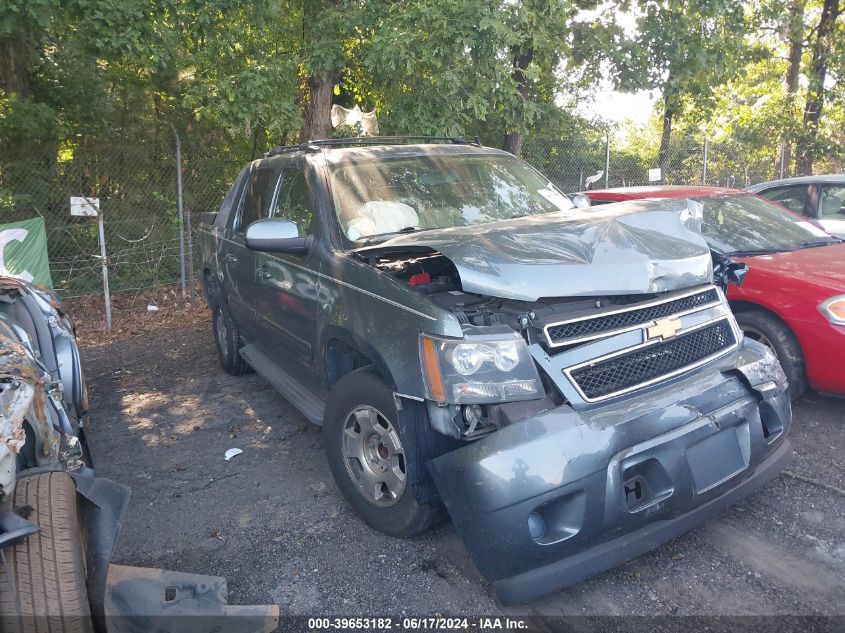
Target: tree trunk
(815, 87)
(513, 139)
(318, 109)
(320, 83)
(795, 36)
(14, 71)
(665, 137)
(513, 143)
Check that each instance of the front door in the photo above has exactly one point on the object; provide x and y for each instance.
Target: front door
(287, 285)
(238, 260)
(831, 205)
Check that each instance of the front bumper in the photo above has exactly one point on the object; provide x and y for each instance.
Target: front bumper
(563, 495)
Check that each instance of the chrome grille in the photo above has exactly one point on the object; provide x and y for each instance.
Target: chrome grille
(559, 334)
(626, 371)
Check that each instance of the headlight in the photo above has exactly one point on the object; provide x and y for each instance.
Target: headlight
(484, 367)
(834, 309)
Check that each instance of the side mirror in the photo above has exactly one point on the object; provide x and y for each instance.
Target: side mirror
(580, 200)
(726, 271)
(736, 273)
(276, 236)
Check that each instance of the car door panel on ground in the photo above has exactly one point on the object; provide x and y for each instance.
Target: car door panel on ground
(287, 288)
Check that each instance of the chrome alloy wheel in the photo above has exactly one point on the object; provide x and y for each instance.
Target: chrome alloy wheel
(374, 457)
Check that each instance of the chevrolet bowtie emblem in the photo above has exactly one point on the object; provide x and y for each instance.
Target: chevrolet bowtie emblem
(664, 328)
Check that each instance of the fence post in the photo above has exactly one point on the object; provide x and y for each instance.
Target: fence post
(181, 215)
(191, 283)
(101, 233)
(704, 168)
(607, 161)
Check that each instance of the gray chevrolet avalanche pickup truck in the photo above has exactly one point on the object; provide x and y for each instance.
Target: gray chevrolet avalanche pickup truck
(570, 385)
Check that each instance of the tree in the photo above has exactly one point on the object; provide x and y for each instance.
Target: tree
(325, 24)
(822, 46)
(683, 48)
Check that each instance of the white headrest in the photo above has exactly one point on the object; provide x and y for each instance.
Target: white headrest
(378, 216)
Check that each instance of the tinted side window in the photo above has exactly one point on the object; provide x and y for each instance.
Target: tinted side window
(259, 194)
(294, 201)
(832, 202)
(793, 197)
(229, 205)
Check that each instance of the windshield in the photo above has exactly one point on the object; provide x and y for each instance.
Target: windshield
(384, 197)
(737, 224)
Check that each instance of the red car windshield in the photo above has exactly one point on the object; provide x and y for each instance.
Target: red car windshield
(741, 224)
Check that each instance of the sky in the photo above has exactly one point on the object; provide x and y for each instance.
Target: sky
(608, 104)
(619, 107)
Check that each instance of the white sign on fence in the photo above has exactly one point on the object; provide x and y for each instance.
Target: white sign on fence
(655, 175)
(84, 207)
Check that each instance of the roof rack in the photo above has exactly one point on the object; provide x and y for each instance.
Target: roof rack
(367, 140)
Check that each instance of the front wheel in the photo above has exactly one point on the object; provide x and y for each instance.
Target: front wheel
(769, 330)
(371, 466)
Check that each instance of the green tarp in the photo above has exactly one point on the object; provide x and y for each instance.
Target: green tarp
(23, 251)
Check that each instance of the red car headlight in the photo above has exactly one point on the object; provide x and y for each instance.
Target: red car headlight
(834, 309)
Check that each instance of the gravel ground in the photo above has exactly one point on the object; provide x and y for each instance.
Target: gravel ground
(272, 521)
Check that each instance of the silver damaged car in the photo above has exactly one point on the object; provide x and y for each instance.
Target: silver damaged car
(569, 385)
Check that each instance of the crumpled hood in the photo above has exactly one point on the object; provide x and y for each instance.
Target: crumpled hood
(635, 247)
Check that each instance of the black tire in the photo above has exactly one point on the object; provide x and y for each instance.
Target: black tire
(46, 590)
(769, 330)
(409, 513)
(228, 341)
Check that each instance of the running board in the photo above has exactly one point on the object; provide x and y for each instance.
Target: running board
(309, 404)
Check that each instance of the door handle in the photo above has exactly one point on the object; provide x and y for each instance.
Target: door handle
(230, 258)
(262, 273)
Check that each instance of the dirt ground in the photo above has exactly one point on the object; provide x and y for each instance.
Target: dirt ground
(272, 521)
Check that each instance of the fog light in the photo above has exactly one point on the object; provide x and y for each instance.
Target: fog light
(536, 525)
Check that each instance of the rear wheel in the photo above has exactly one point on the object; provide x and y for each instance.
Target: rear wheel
(373, 469)
(228, 341)
(770, 331)
(42, 584)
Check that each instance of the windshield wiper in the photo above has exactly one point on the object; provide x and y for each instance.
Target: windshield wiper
(815, 243)
(373, 239)
(757, 251)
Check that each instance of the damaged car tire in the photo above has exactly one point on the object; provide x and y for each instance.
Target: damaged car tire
(227, 340)
(42, 585)
(769, 330)
(371, 457)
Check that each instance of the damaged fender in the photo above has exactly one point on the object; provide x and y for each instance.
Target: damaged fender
(21, 395)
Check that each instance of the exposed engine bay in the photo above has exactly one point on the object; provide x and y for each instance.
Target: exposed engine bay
(429, 272)
(434, 275)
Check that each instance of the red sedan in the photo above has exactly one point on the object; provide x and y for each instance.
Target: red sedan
(793, 298)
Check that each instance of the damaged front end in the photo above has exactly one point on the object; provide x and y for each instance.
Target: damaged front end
(606, 396)
(563, 494)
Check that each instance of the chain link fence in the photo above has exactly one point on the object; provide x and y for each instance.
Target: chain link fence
(137, 187)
